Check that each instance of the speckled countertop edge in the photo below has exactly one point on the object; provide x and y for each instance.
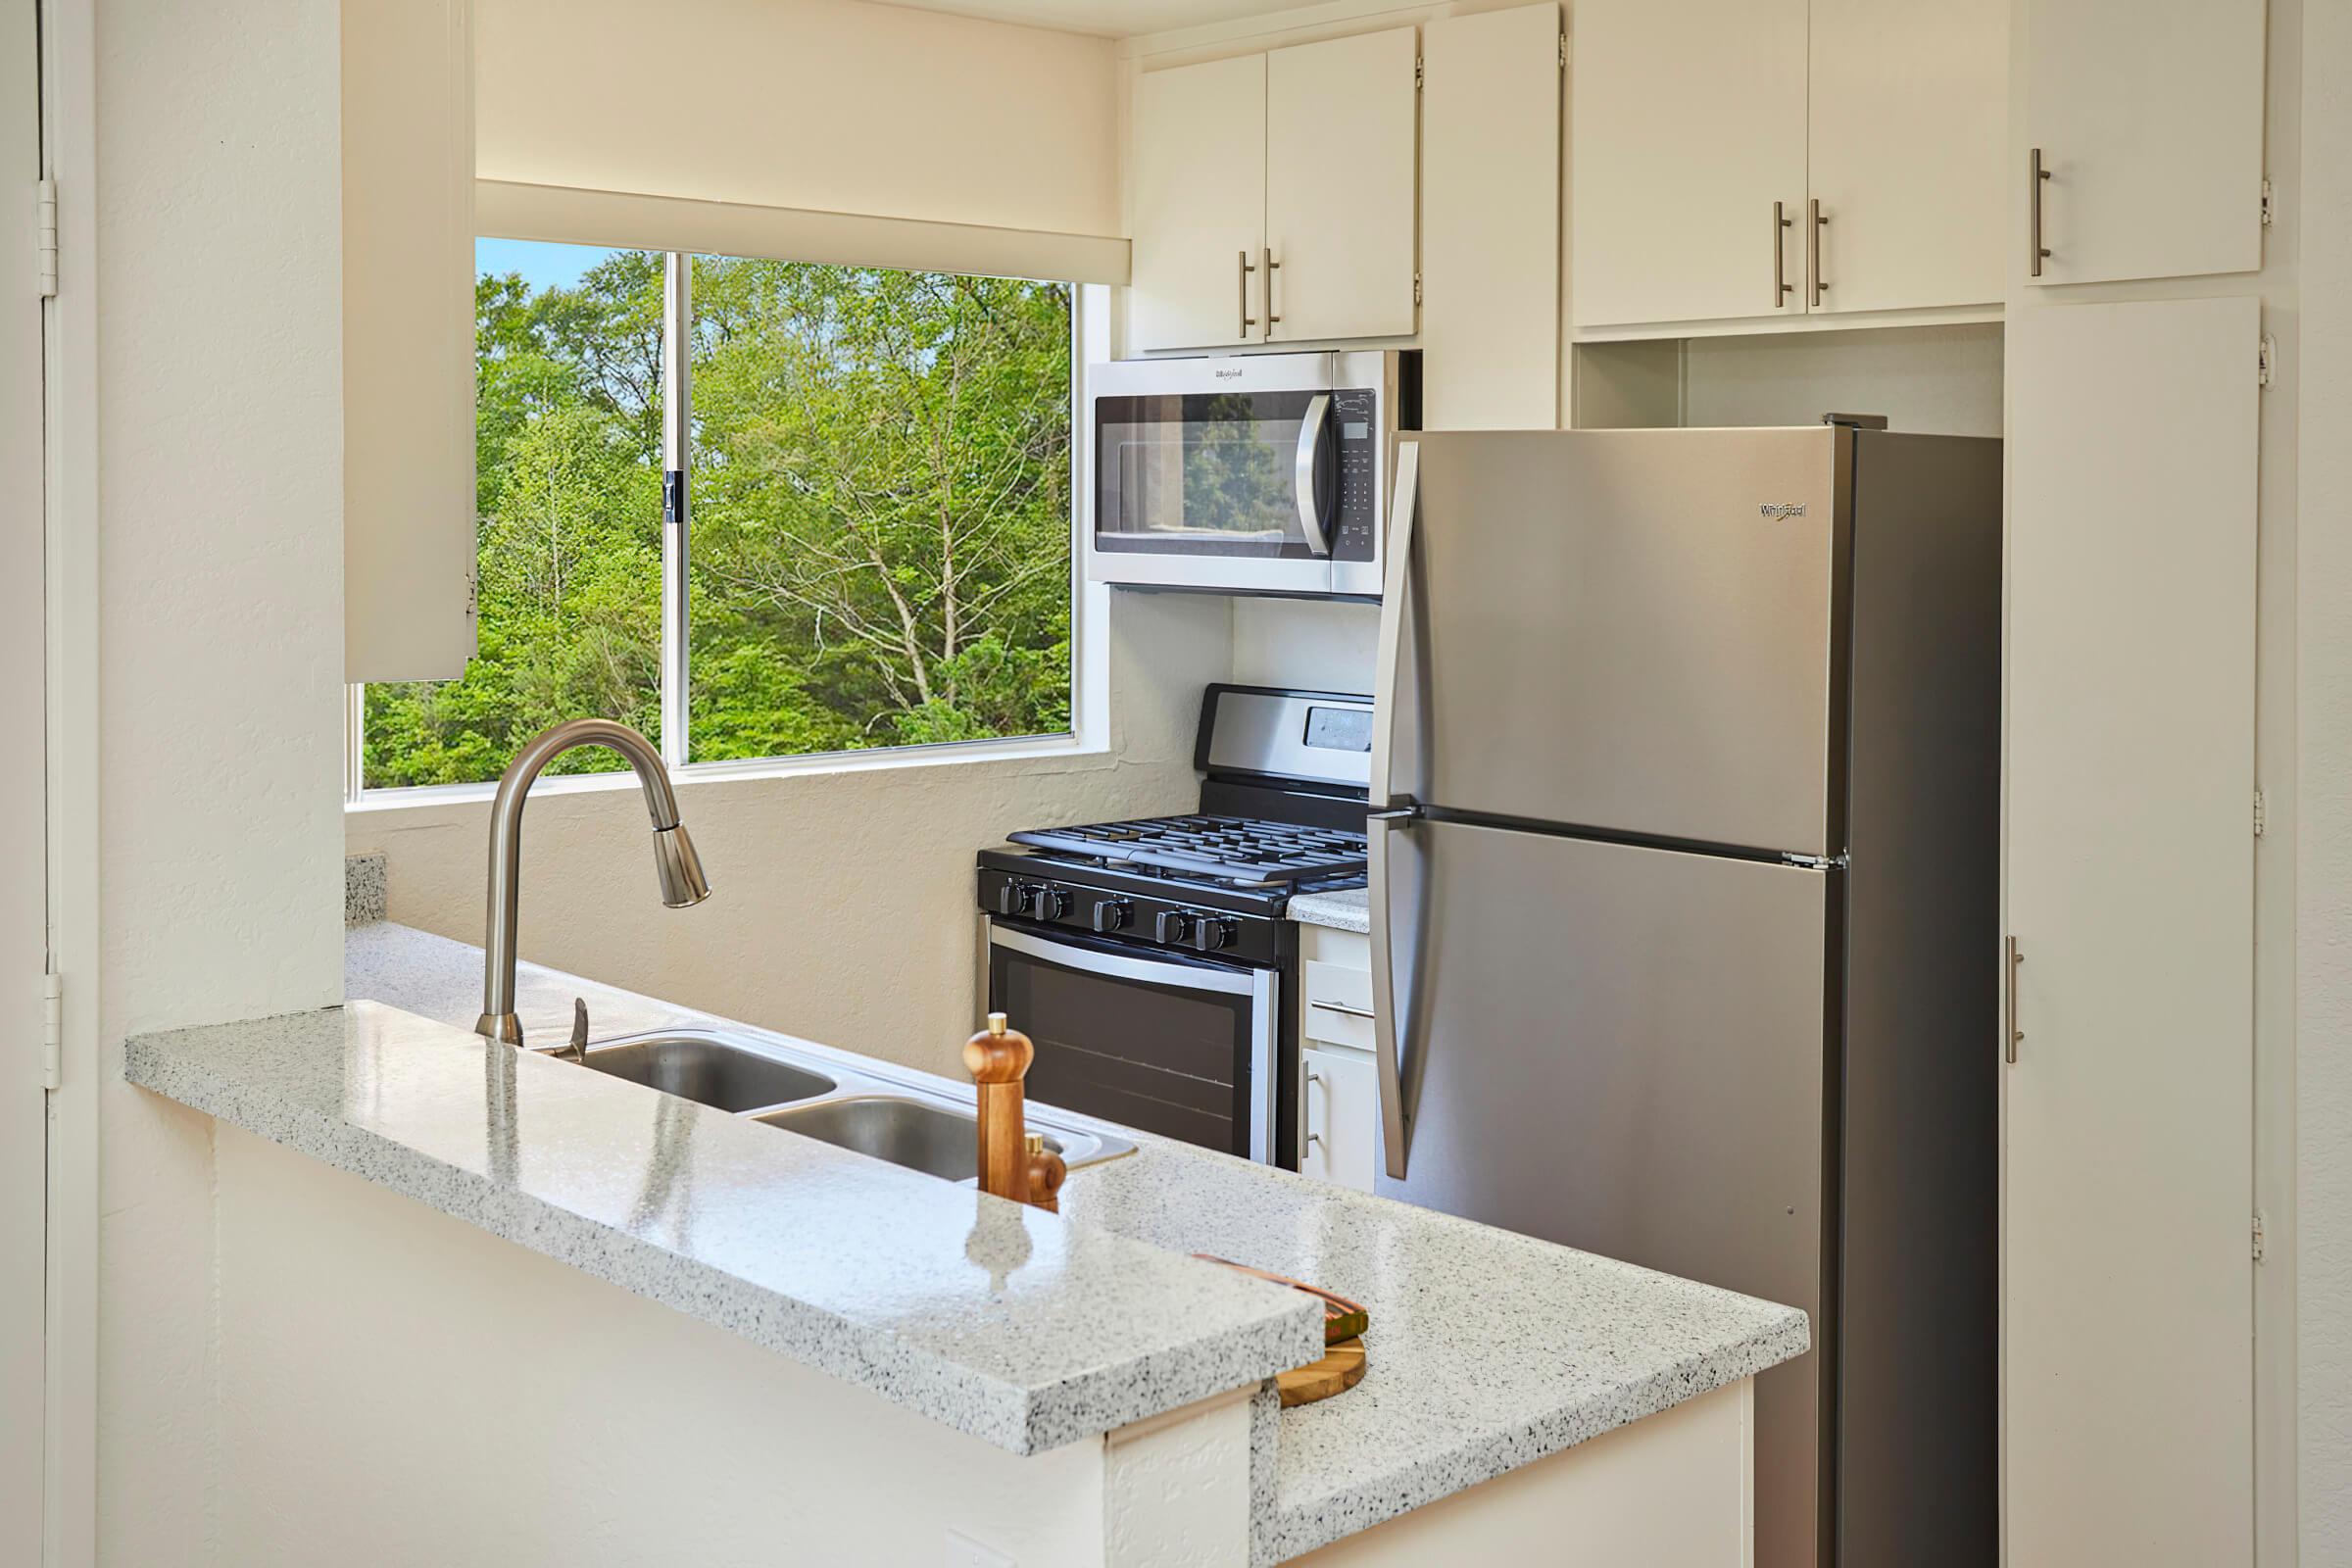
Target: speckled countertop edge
(1008, 1375)
(365, 888)
(1347, 911)
(1322, 1472)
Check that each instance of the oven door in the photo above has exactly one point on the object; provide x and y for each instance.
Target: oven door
(1168, 1044)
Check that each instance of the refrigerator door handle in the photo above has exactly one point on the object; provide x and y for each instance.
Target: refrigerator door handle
(1390, 686)
(1396, 1111)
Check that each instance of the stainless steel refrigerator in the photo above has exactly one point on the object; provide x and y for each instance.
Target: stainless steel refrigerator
(1684, 911)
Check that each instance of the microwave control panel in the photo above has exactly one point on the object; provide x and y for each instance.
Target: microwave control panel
(1353, 412)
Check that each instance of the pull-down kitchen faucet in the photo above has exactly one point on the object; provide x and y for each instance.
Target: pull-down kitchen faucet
(674, 860)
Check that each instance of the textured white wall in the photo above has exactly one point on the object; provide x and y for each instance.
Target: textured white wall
(843, 908)
(2323, 850)
(402, 1389)
(220, 581)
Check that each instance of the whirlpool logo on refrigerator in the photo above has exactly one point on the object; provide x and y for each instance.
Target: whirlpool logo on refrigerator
(1783, 511)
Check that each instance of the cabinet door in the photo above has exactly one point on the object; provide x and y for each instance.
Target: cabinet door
(1340, 183)
(1199, 165)
(1687, 124)
(1341, 1095)
(1910, 107)
(2127, 1285)
(2149, 121)
(1491, 220)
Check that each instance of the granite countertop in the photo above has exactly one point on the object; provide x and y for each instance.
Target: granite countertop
(1347, 911)
(1486, 1349)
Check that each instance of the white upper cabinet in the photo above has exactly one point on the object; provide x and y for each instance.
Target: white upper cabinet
(1686, 125)
(1875, 125)
(1491, 220)
(1909, 113)
(408, 339)
(2148, 123)
(1339, 180)
(1274, 197)
(1200, 172)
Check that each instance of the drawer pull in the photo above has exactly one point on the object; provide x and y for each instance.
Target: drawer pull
(1343, 1009)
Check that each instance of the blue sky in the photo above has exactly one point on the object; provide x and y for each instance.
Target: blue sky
(542, 265)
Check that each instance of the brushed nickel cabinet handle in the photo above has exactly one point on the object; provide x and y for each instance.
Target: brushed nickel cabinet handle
(2041, 252)
(1243, 280)
(1272, 267)
(1821, 284)
(2015, 957)
(1343, 1009)
(1782, 288)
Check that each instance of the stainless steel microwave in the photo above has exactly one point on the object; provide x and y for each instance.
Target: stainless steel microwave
(1257, 474)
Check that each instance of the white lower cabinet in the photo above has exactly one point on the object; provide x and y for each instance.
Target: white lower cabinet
(1339, 1086)
(1341, 1092)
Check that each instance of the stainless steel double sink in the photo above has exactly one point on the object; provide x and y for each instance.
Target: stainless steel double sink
(860, 1110)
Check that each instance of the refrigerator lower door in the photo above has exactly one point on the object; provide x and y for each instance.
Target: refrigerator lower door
(1621, 1049)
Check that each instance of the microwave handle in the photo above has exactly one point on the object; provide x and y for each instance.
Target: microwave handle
(1313, 432)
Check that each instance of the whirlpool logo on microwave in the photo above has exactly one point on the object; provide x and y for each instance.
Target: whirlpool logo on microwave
(1233, 375)
(1783, 511)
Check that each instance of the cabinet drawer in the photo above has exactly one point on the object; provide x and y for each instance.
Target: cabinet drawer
(1338, 1005)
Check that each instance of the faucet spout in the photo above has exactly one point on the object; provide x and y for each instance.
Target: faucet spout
(677, 866)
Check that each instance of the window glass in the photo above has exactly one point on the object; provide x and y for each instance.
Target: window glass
(568, 452)
(880, 509)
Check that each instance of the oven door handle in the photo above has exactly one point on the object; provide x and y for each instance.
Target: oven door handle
(1307, 473)
(1119, 967)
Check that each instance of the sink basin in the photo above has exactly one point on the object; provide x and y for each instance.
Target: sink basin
(938, 1140)
(709, 1071)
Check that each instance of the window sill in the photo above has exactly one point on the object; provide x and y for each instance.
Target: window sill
(891, 758)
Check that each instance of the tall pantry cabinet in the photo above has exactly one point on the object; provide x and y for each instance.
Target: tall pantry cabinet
(2134, 427)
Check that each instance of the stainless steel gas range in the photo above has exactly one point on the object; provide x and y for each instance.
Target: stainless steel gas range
(1151, 961)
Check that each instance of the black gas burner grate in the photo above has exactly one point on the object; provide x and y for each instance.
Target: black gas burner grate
(1229, 849)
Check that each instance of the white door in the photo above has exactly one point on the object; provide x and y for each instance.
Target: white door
(1909, 103)
(1200, 172)
(2127, 1188)
(1686, 124)
(1341, 1097)
(2148, 119)
(1491, 220)
(1340, 184)
(24, 915)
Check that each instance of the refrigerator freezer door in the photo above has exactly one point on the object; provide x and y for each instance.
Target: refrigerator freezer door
(1621, 1049)
(1627, 630)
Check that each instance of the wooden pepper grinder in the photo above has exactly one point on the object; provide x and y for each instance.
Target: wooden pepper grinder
(1047, 1172)
(997, 1059)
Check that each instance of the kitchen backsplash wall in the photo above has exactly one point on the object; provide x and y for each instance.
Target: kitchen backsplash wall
(1935, 380)
(1316, 644)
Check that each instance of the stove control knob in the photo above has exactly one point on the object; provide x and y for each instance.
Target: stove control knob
(1114, 915)
(1015, 898)
(1173, 925)
(1053, 902)
(1211, 933)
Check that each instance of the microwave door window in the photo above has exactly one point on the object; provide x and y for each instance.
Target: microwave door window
(1200, 473)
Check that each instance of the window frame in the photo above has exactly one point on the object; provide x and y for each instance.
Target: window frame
(1090, 324)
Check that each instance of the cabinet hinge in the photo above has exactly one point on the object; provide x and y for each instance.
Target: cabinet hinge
(2262, 814)
(2270, 204)
(1563, 51)
(1418, 73)
(2266, 359)
(1416, 288)
(2260, 1240)
(1814, 863)
(44, 198)
(52, 1028)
